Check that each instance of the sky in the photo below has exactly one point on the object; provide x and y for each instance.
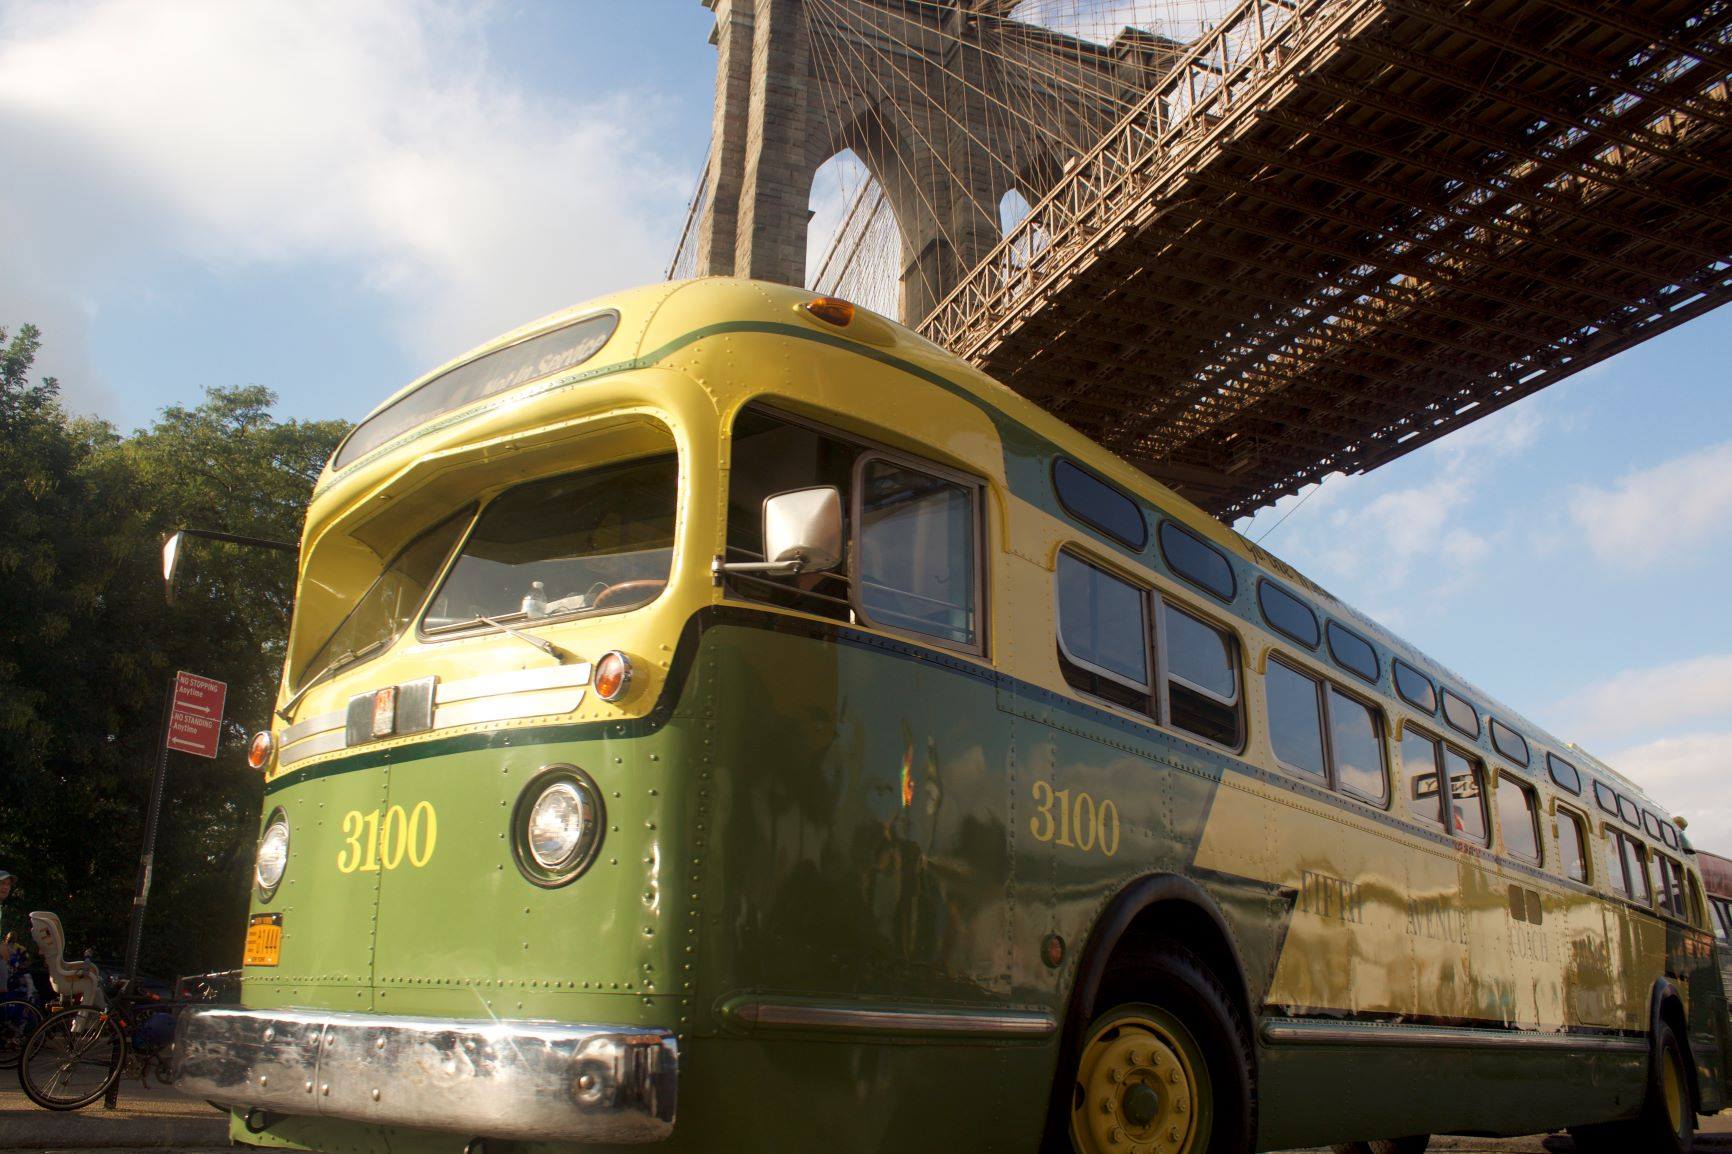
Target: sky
(330, 198)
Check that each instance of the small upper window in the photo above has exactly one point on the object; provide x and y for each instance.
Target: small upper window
(917, 546)
(1352, 652)
(1197, 561)
(1103, 633)
(1669, 834)
(1606, 797)
(1287, 614)
(1466, 795)
(1651, 825)
(1415, 687)
(1572, 846)
(1509, 743)
(1518, 821)
(1628, 811)
(1564, 773)
(1202, 677)
(1099, 504)
(1459, 713)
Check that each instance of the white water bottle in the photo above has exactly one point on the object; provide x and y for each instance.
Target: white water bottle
(535, 601)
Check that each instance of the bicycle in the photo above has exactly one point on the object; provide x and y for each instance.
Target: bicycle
(79, 1054)
(18, 1020)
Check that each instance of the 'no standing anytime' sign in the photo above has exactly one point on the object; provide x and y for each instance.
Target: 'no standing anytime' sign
(196, 717)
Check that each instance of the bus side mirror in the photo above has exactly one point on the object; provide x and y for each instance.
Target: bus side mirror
(802, 534)
(804, 527)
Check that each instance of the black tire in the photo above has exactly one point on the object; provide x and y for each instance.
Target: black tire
(18, 1020)
(1667, 1123)
(72, 1059)
(1191, 1018)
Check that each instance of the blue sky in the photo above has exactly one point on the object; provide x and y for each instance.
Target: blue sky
(328, 198)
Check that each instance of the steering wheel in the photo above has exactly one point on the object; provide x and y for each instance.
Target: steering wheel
(606, 595)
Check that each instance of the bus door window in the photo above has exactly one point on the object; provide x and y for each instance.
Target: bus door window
(1572, 855)
(1671, 876)
(1202, 677)
(1356, 747)
(1419, 764)
(1103, 634)
(917, 545)
(1722, 920)
(1466, 795)
(1518, 824)
(1295, 719)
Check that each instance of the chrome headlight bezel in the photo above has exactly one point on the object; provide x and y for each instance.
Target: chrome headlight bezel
(571, 782)
(279, 819)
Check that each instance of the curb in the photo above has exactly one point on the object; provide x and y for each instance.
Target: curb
(73, 1131)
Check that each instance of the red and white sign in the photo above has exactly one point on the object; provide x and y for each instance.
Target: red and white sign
(196, 718)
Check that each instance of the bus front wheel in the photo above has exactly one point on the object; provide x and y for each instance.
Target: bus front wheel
(1166, 1067)
(1667, 1124)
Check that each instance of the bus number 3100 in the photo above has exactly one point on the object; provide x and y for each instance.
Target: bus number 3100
(371, 842)
(1076, 821)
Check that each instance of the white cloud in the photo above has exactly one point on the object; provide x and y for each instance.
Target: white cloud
(1656, 513)
(1638, 701)
(1690, 774)
(375, 136)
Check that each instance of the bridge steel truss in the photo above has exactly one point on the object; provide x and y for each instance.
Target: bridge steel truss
(1340, 229)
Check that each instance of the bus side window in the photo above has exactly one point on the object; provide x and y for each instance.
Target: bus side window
(1517, 822)
(1466, 795)
(1295, 719)
(1202, 671)
(1103, 633)
(1356, 746)
(1615, 878)
(1722, 919)
(1419, 765)
(1671, 885)
(918, 571)
(1572, 855)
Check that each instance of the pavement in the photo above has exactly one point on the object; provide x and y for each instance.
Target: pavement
(157, 1118)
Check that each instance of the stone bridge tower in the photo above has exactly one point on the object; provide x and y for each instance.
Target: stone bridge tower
(949, 106)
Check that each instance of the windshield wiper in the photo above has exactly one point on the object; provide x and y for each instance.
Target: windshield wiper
(342, 661)
(541, 643)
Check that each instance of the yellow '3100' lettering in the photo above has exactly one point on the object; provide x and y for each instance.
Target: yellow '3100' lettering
(373, 840)
(1074, 822)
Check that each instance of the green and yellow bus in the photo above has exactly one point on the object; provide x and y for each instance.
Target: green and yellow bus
(717, 717)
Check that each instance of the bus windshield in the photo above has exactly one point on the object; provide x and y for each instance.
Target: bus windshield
(598, 541)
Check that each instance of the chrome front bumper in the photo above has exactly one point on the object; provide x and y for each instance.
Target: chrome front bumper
(475, 1077)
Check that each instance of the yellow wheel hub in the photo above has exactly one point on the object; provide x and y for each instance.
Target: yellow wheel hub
(1137, 1092)
(1672, 1085)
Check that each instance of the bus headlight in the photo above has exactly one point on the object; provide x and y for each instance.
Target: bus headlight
(273, 855)
(556, 826)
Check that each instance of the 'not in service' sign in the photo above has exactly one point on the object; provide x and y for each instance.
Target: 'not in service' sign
(196, 717)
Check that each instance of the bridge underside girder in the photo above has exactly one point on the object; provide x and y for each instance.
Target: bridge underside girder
(1438, 210)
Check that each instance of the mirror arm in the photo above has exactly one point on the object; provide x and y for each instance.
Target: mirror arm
(718, 567)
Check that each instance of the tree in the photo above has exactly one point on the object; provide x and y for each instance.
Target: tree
(88, 646)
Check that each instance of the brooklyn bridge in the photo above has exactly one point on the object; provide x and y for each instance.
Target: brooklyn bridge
(1243, 245)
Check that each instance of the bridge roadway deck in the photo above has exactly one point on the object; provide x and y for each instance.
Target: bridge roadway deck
(1347, 227)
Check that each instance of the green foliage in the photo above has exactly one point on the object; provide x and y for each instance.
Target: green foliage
(88, 647)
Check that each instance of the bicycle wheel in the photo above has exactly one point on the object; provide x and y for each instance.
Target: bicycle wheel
(71, 1059)
(18, 1020)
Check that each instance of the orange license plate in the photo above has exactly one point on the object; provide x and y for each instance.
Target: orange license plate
(264, 940)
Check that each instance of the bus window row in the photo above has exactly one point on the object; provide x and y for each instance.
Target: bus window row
(1124, 642)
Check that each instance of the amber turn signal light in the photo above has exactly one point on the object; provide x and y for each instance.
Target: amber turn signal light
(832, 310)
(259, 752)
(612, 675)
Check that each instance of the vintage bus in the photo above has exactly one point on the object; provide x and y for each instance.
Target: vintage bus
(717, 717)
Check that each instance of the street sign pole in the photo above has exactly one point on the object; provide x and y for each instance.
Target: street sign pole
(141, 891)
